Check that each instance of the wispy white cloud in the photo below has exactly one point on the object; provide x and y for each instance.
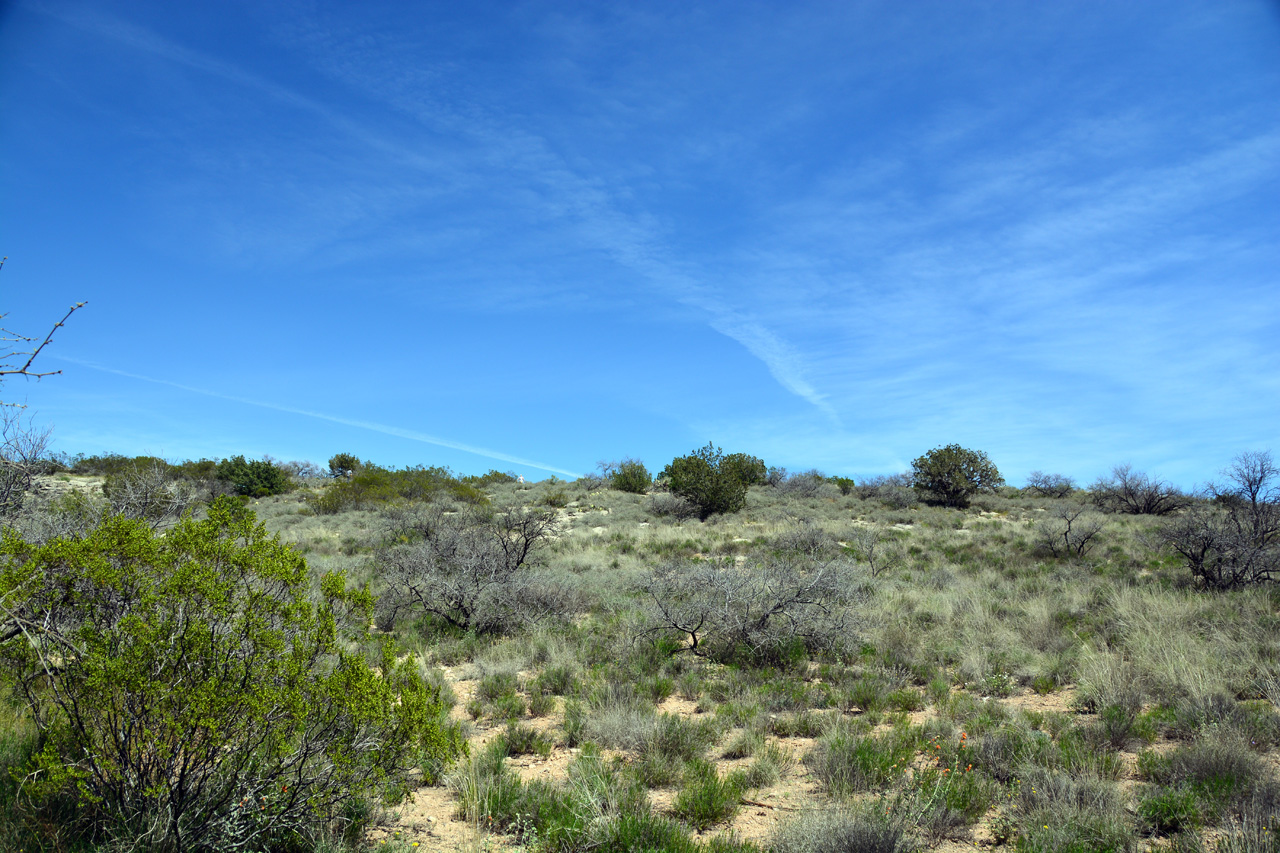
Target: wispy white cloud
(497, 144)
(385, 429)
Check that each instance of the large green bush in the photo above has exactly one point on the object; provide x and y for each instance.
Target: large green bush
(630, 475)
(703, 479)
(343, 464)
(951, 475)
(370, 485)
(255, 478)
(749, 469)
(191, 694)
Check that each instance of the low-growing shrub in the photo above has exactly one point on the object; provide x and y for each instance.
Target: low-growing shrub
(1169, 810)
(369, 485)
(806, 484)
(522, 740)
(541, 704)
(559, 499)
(666, 505)
(1069, 530)
(848, 763)
(1071, 812)
(772, 761)
(767, 611)
(705, 798)
(557, 680)
(840, 831)
(1221, 772)
(472, 567)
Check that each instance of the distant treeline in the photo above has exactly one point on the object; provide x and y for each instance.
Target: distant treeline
(354, 482)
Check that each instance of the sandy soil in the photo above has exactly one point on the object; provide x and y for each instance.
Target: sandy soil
(429, 816)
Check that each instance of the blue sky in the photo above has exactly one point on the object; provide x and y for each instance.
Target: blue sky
(533, 236)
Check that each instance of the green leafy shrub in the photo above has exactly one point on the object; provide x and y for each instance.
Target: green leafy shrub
(522, 740)
(706, 799)
(343, 464)
(1220, 772)
(369, 485)
(748, 469)
(630, 475)
(1169, 810)
(848, 763)
(255, 478)
(846, 485)
(702, 479)
(251, 715)
(1071, 812)
(951, 475)
(558, 499)
(493, 478)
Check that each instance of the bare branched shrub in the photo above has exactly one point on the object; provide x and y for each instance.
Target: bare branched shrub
(1050, 485)
(303, 469)
(22, 448)
(668, 505)
(893, 490)
(881, 551)
(1235, 540)
(1135, 493)
(473, 567)
(806, 539)
(593, 482)
(1070, 530)
(70, 515)
(757, 611)
(150, 493)
(805, 484)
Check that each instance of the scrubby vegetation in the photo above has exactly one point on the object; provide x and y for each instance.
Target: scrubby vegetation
(733, 658)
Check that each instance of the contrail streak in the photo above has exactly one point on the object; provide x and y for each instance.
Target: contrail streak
(385, 429)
